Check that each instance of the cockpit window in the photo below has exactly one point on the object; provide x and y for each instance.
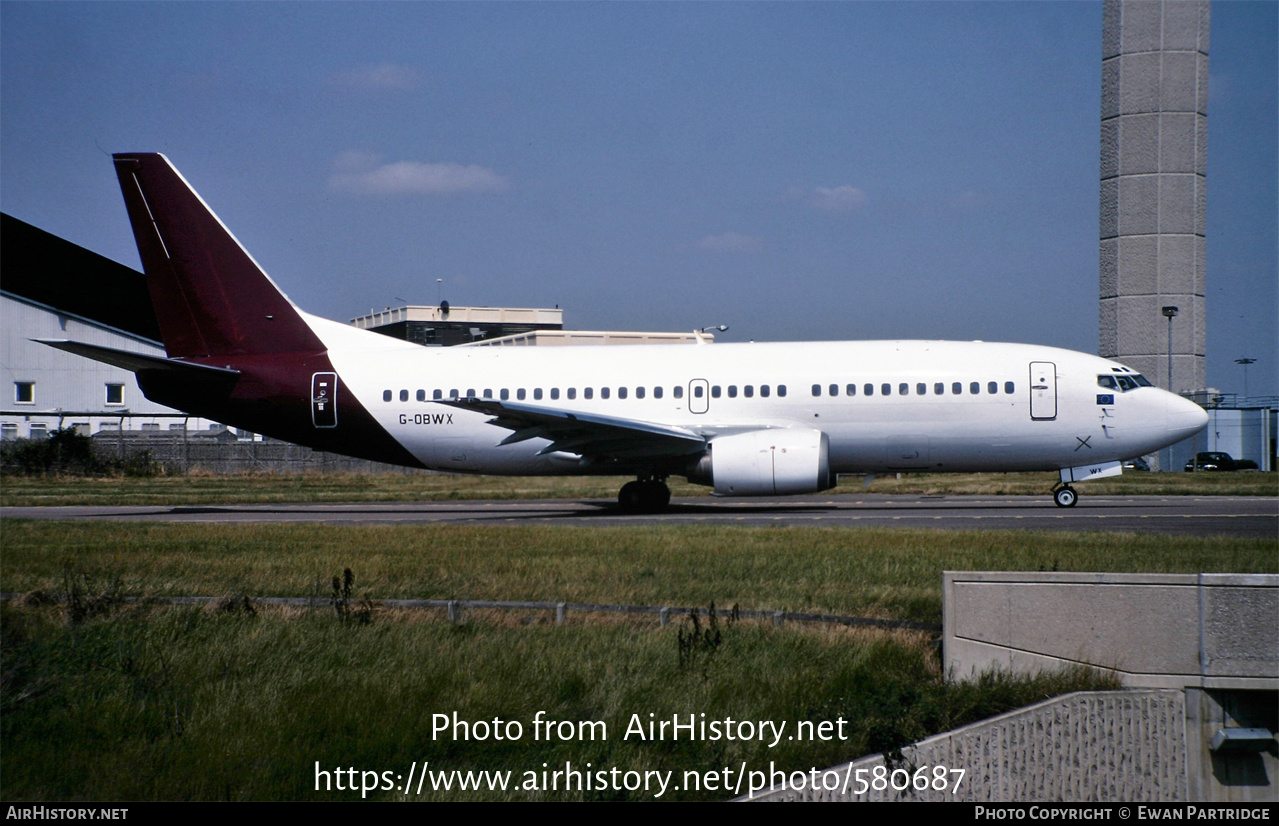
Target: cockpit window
(1123, 382)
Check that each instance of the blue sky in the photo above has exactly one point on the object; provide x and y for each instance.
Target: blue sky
(797, 171)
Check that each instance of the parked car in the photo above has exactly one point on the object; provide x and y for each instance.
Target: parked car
(1211, 461)
(1136, 464)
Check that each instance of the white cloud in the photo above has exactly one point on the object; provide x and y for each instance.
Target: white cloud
(363, 174)
(731, 242)
(837, 199)
(382, 76)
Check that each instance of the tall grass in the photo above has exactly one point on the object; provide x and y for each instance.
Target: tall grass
(186, 704)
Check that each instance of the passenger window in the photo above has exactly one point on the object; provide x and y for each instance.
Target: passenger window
(939, 388)
(519, 394)
(453, 394)
(868, 389)
(732, 391)
(404, 395)
(386, 395)
(470, 392)
(763, 390)
(572, 392)
(555, 393)
(749, 390)
(421, 395)
(957, 388)
(621, 392)
(850, 390)
(1009, 387)
(715, 391)
(604, 391)
(697, 391)
(639, 392)
(817, 389)
(885, 389)
(488, 393)
(537, 393)
(588, 392)
(437, 394)
(679, 391)
(833, 390)
(657, 392)
(992, 387)
(505, 395)
(903, 389)
(975, 388)
(921, 389)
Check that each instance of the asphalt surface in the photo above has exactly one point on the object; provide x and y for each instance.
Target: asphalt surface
(1239, 516)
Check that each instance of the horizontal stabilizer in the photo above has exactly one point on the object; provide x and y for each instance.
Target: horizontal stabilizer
(138, 361)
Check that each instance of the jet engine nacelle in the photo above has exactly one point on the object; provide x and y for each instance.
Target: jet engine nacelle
(766, 462)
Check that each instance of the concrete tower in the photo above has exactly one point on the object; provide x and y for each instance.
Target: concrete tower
(1154, 147)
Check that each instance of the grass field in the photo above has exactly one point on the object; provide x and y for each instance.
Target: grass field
(878, 572)
(196, 489)
(106, 700)
(140, 701)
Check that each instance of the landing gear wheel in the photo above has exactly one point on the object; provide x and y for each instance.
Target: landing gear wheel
(1065, 496)
(658, 496)
(646, 496)
(631, 497)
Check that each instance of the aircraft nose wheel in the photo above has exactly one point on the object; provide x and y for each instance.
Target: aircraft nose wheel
(644, 496)
(1065, 496)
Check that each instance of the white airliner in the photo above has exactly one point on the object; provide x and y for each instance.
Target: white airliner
(747, 419)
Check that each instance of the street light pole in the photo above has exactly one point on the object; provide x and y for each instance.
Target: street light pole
(1170, 313)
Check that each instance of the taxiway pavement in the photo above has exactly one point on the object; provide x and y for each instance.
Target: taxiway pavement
(1240, 516)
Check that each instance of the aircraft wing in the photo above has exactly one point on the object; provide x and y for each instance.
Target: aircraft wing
(586, 434)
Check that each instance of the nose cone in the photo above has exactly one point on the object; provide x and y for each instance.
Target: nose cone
(1184, 418)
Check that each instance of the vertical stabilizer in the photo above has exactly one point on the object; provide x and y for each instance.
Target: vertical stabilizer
(211, 298)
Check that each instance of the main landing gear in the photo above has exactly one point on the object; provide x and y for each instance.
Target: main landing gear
(645, 495)
(1065, 496)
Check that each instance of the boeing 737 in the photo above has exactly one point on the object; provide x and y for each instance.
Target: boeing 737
(745, 419)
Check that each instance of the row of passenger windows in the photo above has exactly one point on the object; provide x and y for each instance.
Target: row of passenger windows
(698, 390)
(537, 393)
(921, 388)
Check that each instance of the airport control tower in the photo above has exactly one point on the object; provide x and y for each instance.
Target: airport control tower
(1154, 147)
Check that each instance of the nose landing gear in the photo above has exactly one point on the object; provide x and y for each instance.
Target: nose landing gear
(645, 495)
(1065, 496)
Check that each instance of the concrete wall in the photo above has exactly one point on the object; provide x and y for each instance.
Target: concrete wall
(1206, 642)
(1214, 636)
(1152, 630)
(1124, 746)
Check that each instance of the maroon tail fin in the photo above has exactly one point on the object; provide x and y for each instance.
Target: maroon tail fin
(211, 298)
